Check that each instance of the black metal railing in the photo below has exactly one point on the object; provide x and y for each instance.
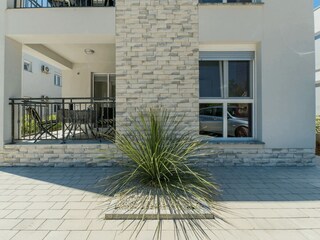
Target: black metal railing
(62, 119)
(62, 3)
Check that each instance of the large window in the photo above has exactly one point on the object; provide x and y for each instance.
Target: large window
(229, 1)
(57, 80)
(226, 94)
(27, 66)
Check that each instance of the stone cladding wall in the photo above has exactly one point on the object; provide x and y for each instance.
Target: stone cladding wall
(106, 155)
(157, 57)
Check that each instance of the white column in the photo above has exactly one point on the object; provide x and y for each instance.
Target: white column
(3, 6)
(10, 81)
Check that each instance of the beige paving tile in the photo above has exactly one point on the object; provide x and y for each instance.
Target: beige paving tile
(310, 234)
(52, 214)
(28, 224)
(59, 205)
(30, 213)
(290, 213)
(15, 213)
(75, 198)
(76, 214)
(306, 223)
(4, 213)
(40, 205)
(42, 198)
(30, 235)
(78, 235)
(96, 225)
(113, 225)
(7, 234)
(74, 225)
(281, 223)
(51, 224)
(18, 205)
(59, 198)
(286, 234)
(23, 198)
(103, 235)
(39, 192)
(95, 214)
(77, 205)
(57, 235)
(314, 213)
(8, 224)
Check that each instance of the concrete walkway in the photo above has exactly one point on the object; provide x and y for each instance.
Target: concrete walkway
(64, 203)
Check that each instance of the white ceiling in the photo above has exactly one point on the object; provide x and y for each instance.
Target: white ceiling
(75, 52)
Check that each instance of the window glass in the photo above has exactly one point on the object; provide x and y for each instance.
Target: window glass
(57, 80)
(239, 1)
(222, 84)
(239, 79)
(239, 120)
(211, 78)
(211, 119)
(27, 66)
(211, 1)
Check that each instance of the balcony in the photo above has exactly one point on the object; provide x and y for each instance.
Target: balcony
(38, 120)
(62, 3)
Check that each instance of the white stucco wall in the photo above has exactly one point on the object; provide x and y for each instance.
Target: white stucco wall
(77, 82)
(64, 25)
(317, 55)
(37, 83)
(283, 34)
(3, 6)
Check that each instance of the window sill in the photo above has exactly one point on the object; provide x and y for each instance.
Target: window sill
(232, 4)
(235, 143)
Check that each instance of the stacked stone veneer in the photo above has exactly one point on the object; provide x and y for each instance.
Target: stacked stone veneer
(60, 155)
(105, 155)
(157, 57)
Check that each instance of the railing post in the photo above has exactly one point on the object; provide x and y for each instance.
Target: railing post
(63, 121)
(12, 121)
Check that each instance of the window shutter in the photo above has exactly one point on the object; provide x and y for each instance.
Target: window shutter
(226, 55)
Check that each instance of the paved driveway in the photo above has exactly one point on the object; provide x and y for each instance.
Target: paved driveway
(64, 203)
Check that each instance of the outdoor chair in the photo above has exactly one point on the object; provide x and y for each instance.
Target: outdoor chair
(43, 126)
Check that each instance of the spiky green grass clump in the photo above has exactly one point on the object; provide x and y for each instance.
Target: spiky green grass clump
(160, 178)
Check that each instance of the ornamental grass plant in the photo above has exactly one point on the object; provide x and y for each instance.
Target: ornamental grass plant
(160, 178)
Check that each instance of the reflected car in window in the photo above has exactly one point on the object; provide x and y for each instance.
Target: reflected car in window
(211, 122)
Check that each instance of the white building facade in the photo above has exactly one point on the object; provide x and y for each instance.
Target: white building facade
(317, 53)
(235, 69)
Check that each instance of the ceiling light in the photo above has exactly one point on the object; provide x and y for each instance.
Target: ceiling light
(89, 51)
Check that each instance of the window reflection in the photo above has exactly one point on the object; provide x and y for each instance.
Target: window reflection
(240, 120)
(211, 119)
